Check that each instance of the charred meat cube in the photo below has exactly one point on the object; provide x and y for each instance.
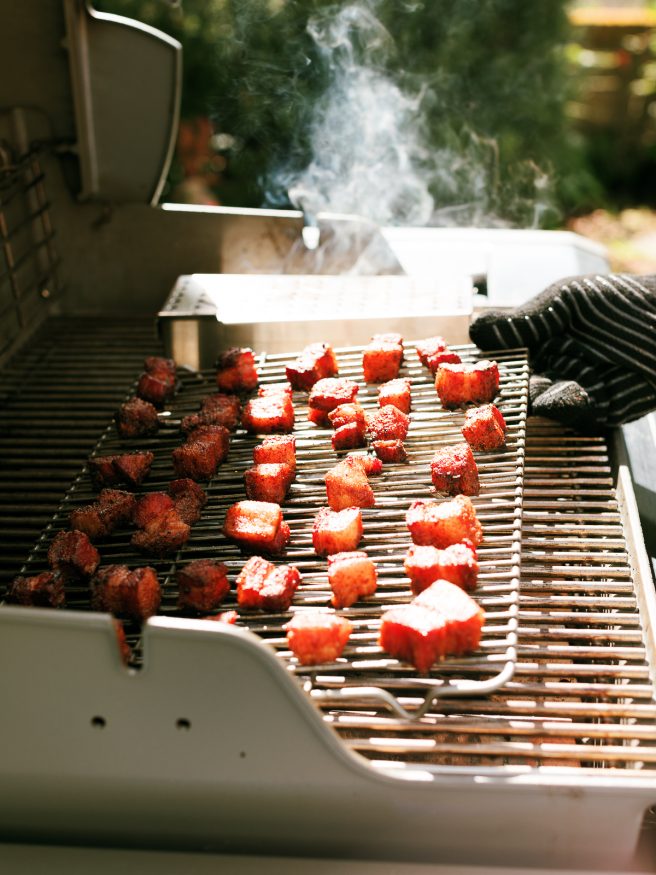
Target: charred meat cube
(203, 585)
(336, 531)
(163, 535)
(351, 575)
(134, 594)
(196, 459)
(257, 525)
(456, 563)
(155, 388)
(102, 470)
(347, 485)
(73, 554)
(464, 617)
(485, 428)
(160, 366)
(454, 471)
(347, 414)
(349, 437)
(414, 634)
(388, 424)
(269, 481)
(397, 393)
(151, 507)
(434, 352)
(190, 424)
(218, 409)
(315, 637)
(439, 524)
(136, 418)
(189, 499)
(329, 393)
(113, 508)
(276, 449)
(314, 363)
(382, 358)
(262, 586)
(45, 590)
(390, 451)
(217, 435)
(458, 385)
(267, 414)
(129, 468)
(236, 370)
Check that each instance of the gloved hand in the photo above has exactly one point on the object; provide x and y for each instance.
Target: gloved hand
(592, 343)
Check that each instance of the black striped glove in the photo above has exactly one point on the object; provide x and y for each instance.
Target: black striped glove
(592, 343)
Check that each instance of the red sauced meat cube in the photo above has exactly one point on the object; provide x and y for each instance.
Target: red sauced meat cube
(236, 371)
(276, 449)
(352, 575)
(458, 385)
(349, 437)
(315, 362)
(256, 525)
(73, 554)
(188, 498)
(269, 481)
(136, 418)
(390, 451)
(434, 351)
(316, 637)
(336, 531)
(397, 393)
(267, 414)
(347, 485)
(454, 470)
(347, 414)
(388, 424)
(382, 358)
(439, 524)
(203, 585)
(45, 590)
(485, 428)
(464, 617)
(134, 594)
(262, 586)
(456, 563)
(329, 393)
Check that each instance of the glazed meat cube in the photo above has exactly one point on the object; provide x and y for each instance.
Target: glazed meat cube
(351, 576)
(276, 449)
(314, 363)
(202, 585)
(434, 352)
(229, 617)
(388, 424)
(349, 437)
(269, 481)
(347, 485)
(256, 525)
(236, 370)
(316, 637)
(336, 531)
(262, 586)
(73, 554)
(136, 418)
(163, 535)
(267, 414)
(396, 393)
(151, 507)
(464, 617)
(45, 590)
(129, 468)
(347, 414)
(485, 428)
(155, 388)
(382, 358)
(329, 393)
(159, 366)
(196, 459)
(439, 524)
(113, 508)
(458, 385)
(454, 471)
(134, 594)
(456, 563)
(189, 499)
(390, 451)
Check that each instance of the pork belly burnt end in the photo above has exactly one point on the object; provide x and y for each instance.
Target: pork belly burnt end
(352, 576)
(347, 485)
(159, 366)
(203, 585)
(390, 451)
(349, 437)
(314, 363)
(458, 385)
(396, 393)
(45, 590)
(315, 637)
(434, 352)
(465, 618)
(388, 424)
(329, 393)
(268, 482)
(257, 525)
(163, 536)
(485, 428)
(150, 507)
(227, 407)
(336, 531)
(236, 370)
(267, 414)
(382, 358)
(73, 555)
(200, 456)
(456, 563)
(347, 414)
(276, 449)
(113, 509)
(136, 418)
(439, 524)
(262, 586)
(157, 383)
(189, 499)
(454, 470)
(124, 593)
(226, 415)
(130, 469)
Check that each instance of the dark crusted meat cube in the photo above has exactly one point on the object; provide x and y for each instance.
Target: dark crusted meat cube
(315, 637)
(160, 366)
(457, 564)
(236, 370)
(390, 451)
(134, 594)
(349, 437)
(203, 585)
(454, 471)
(45, 590)
(315, 362)
(388, 424)
(129, 468)
(397, 393)
(347, 485)
(136, 418)
(347, 414)
(329, 393)
(352, 576)
(102, 470)
(434, 352)
(269, 481)
(464, 617)
(196, 459)
(485, 428)
(189, 499)
(257, 525)
(414, 634)
(439, 524)
(190, 424)
(151, 507)
(163, 535)
(458, 385)
(224, 408)
(217, 435)
(382, 358)
(336, 531)
(113, 508)
(156, 388)
(261, 586)
(276, 449)
(73, 554)
(267, 414)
